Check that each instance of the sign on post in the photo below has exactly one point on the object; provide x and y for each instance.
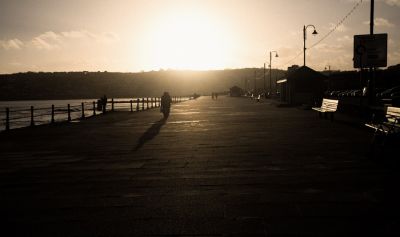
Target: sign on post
(370, 50)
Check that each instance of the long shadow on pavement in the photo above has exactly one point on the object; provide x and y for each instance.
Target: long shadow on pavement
(150, 133)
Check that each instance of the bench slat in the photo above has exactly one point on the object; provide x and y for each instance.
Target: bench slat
(328, 105)
(392, 125)
(393, 114)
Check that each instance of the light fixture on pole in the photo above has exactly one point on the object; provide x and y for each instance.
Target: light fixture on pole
(270, 69)
(304, 39)
(328, 68)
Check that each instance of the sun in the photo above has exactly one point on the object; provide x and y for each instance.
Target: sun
(188, 40)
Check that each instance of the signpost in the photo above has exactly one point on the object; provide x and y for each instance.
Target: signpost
(370, 50)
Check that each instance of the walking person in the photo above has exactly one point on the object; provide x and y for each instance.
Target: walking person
(103, 101)
(165, 104)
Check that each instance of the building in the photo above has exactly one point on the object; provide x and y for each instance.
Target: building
(292, 69)
(302, 86)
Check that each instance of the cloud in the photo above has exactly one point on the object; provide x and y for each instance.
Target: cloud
(340, 28)
(109, 37)
(51, 40)
(345, 38)
(388, 2)
(394, 58)
(15, 64)
(393, 2)
(296, 34)
(329, 48)
(380, 22)
(11, 44)
(392, 43)
(76, 34)
(48, 40)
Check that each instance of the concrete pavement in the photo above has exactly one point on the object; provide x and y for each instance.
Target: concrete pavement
(226, 167)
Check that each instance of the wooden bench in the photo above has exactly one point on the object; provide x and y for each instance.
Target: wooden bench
(385, 131)
(328, 106)
(391, 123)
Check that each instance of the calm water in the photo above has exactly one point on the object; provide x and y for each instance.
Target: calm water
(20, 110)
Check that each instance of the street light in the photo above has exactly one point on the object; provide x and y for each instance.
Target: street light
(270, 69)
(264, 79)
(304, 38)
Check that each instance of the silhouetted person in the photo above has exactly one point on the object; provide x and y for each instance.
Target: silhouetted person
(212, 95)
(165, 104)
(100, 104)
(104, 103)
(216, 95)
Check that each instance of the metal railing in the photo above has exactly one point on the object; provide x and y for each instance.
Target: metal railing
(48, 115)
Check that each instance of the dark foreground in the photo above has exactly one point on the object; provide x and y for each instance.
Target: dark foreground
(230, 167)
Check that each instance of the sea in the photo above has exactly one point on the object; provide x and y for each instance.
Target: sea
(20, 111)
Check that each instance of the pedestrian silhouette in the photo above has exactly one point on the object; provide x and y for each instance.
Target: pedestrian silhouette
(104, 103)
(165, 104)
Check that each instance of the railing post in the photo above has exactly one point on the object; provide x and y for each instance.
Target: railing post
(137, 104)
(142, 103)
(147, 103)
(151, 102)
(69, 112)
(94, 108)
(104, 106)
(7, 119)
(131, 105)
(112, 104)
(32, 120)
(52, 113)
(83, 110)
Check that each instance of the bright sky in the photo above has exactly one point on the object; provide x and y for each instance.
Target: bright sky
(136, 35)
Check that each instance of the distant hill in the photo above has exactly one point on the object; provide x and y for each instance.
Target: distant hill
(77, 85)
(80, 85)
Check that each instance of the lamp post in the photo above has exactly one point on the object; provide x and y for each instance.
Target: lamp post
(304, 39)
(371, 81)
(328, 68)
(255, 82)
(270, 69)
(264, 80)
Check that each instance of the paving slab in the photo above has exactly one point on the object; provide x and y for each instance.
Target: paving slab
(226, 167)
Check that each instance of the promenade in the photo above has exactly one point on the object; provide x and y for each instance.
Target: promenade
(226, 167)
